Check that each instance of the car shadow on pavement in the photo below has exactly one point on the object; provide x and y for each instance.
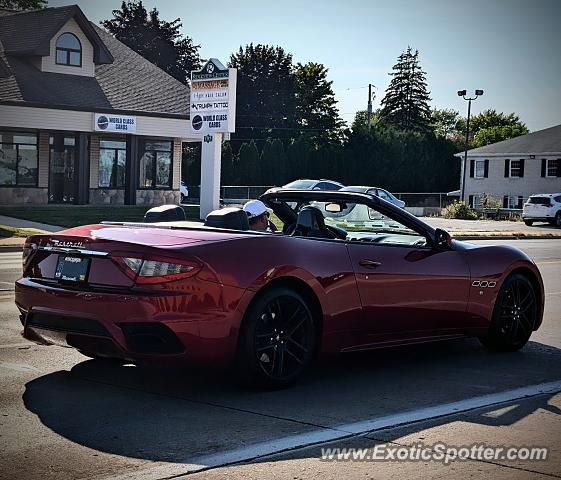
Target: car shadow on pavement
(175, 415)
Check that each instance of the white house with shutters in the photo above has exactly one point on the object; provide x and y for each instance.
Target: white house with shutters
(514, 169)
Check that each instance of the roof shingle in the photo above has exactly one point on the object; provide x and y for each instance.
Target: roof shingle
(129, 83)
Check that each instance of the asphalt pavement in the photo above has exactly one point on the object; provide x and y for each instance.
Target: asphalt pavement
(63, 415)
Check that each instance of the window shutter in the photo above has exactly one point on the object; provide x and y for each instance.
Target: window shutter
(505, 201)
(507, 168)
(544, 167)
(486, 175)
(521, 167)
(558, 167)
(520, 201)
(471, 168)
(470, 201)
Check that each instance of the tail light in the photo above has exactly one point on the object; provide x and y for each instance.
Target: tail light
(28, 250)
(157, 270)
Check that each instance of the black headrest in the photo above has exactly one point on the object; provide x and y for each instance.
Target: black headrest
(165, 213)
(310, 218)
(230, 217)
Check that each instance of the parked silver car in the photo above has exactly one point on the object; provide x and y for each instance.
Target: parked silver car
(379, 192)
(321, 184)
(543, 207)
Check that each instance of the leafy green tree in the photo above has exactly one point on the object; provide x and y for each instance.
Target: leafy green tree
(265, 104)
(491, 126)
(488, 135)
(157, 40)
(447, 123)
(316, 108)
(23, 4)
(406, 102)
(360, 121)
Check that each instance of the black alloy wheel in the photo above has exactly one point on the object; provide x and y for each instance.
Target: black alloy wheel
(514, 316)
(277, 340)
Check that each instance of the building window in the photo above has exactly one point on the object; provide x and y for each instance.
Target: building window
(475, 201)
(112, 161)
(552, 167)
(480, 169)
(513, 201)
(18, 159)
(515, 168)
(155, 164)
(68, 50)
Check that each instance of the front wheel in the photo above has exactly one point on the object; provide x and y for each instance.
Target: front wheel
(556, 220)
(514, 315)
(277, 339)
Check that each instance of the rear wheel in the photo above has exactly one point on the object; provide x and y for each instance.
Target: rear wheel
(514, 315)
(529, 223)
(277, 339)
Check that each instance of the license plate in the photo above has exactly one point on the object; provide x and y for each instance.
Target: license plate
(74, 269)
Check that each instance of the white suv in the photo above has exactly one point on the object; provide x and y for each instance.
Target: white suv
(543, 208)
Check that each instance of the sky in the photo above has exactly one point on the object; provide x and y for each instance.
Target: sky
(511, 49)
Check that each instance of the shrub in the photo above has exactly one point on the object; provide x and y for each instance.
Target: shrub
(459, 210)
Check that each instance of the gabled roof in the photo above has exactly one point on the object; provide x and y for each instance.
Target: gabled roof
(28, 33)
(542, 142)
(130, 84)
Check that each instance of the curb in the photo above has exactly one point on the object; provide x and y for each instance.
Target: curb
(505, 236)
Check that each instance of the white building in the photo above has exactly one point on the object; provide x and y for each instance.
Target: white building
(514, 169)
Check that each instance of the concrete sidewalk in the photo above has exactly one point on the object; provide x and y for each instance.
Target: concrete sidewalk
(493, 229)
(16, 243)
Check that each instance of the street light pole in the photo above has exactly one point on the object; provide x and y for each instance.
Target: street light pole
(462, 93)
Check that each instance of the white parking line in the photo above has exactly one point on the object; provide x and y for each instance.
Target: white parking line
(293, 442)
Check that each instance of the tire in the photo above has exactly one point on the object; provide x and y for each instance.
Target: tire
(529, 223)
(277, 340)
(557, 220)
(514, 316)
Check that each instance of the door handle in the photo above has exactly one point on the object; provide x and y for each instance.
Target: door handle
(365, 262)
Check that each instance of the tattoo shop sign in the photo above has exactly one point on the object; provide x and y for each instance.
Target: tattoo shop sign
(104, 122)
(213, 99)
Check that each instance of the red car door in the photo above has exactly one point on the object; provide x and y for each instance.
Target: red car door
(409, 291)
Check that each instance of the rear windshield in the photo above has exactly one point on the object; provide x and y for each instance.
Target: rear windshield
(539, 200)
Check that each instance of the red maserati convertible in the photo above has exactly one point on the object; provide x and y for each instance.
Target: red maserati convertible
(349, 271)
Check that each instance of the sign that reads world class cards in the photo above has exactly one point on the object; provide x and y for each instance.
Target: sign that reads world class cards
(213, 99)
(105, 122)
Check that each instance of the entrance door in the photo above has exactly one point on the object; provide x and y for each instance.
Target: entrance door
(63, 181)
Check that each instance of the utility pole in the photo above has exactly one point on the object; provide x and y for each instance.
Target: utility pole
(369, 104)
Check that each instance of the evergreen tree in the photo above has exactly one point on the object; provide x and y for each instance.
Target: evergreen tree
(405, 104)
(155, 39)
(249, 171)
(228, 173)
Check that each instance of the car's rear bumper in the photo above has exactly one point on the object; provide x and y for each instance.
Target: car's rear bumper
(544, 218)
(164, 326)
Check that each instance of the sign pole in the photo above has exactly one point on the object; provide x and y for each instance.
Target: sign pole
(211, 156)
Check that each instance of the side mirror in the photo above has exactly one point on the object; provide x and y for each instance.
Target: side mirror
(443, 239)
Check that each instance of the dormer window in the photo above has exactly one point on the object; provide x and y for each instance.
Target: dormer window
(68, 50)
